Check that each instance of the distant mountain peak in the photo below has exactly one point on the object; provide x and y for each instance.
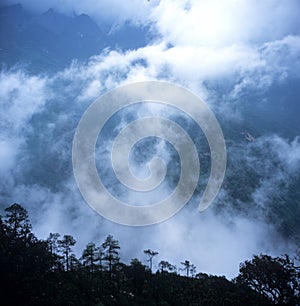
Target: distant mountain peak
(51, 40)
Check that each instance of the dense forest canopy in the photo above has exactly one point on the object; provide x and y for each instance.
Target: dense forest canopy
(47, 272)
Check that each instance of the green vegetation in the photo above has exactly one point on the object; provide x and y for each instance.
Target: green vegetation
(38, 272)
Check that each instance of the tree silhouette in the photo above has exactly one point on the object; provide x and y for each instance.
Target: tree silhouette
(90, 256)
(193, 270)
(188, 268)
(65, 245)
(275, 278)
(17, 222)
(150, 254)
(52, 242)
(24, 259)
(138, 275)
(33, 273)
(111, 252)
(165, 266)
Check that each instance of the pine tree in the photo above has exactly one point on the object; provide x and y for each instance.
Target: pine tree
(111, 252)
(150, 254)
(90, 256)
(65, 245)
(17, 223)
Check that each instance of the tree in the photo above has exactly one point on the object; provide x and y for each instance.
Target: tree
(193, 270)
(24, 260)
(2, 228)
(275, 278)
(53, 247)
(189, 268)
(74, 263)
(101, 257)
(17, 223)
(90, 256)
(65, 245)
(165, 266)
(111, 252)
(138, 275)
(186, 267)
(150, 254)
(52, 241)
(3, 237)
(27, 276)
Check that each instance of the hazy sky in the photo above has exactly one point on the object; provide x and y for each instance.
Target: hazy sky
(191, 22)
(243, 47)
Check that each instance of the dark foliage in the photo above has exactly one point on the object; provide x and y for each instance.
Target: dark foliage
(275, 278)
(37, 272)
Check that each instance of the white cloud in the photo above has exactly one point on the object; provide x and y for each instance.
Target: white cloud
(215, 23)
(242, 67)
(248, 45)
(21, 96)
(191, 22)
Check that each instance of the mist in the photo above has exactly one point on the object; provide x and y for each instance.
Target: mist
(233, 68)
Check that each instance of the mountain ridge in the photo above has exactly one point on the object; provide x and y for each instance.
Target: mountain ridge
(51, 41)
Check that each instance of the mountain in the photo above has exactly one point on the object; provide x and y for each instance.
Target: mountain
(50, 41)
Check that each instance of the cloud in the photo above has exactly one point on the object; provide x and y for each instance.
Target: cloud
(21, 96)
(190, 22)
(203, 23)
(214, 242)
(223, 52)
(279, 172)
(241, 68)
